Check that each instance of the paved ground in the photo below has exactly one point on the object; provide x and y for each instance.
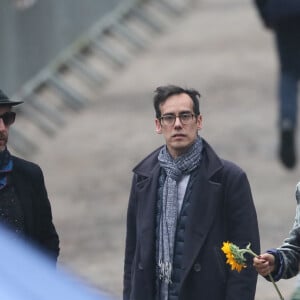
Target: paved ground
(218, 47)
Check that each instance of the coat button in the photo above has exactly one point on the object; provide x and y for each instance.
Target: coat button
(197, 267)
(140, 266)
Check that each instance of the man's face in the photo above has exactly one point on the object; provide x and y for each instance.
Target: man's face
(179, 137)
(3, 128)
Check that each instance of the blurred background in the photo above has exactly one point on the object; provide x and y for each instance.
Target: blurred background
(86, 71)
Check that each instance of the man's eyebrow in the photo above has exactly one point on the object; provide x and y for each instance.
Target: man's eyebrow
(181, 112)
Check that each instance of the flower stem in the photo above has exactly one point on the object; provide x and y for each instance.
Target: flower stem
(276, 287)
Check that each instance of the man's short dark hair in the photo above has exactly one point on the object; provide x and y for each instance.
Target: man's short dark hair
(164, 92)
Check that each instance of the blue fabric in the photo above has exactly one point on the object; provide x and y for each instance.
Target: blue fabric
(288, 106)
(277, 274)
(26, 274)
(6, 165)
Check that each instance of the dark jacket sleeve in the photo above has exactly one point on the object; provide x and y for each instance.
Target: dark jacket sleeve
(290, 253)
(47, 235)
(28, 180)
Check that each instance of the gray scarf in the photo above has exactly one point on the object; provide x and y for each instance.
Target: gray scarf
(175, 169)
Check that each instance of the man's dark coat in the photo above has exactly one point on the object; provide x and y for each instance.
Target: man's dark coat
(221, 210)
(28, 182)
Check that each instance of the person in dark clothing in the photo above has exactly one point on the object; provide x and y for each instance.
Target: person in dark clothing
(184, 203)
(24, 205)
(283, 262)
(283, 18)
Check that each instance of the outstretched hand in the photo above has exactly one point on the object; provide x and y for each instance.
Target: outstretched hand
(264, 264)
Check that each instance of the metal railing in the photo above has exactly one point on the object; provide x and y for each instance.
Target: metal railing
(87, 65)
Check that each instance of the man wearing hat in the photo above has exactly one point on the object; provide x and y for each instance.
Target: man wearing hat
(24, 204)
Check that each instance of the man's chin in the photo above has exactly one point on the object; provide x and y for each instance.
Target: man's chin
(2, 146)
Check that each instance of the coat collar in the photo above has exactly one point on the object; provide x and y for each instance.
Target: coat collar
(211, 161)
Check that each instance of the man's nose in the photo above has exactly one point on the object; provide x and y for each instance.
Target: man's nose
(2, 125)
(177, 122)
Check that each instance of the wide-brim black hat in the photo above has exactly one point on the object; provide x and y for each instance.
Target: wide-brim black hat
(5, 101)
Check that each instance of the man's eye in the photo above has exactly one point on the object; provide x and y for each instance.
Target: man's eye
(185, 116)
(169, 118)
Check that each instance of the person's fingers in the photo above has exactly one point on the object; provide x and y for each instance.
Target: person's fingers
(257, 261)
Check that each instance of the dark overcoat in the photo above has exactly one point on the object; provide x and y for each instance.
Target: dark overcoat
(28, 182)
(221, 209)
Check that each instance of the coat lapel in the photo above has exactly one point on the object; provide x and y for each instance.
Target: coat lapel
(146, 193)
(204, 198)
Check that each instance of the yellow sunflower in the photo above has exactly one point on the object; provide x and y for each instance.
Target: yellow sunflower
(235, 261)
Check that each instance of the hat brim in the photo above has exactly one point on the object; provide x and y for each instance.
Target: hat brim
(10, 103)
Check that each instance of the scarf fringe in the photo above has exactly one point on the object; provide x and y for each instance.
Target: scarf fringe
(165, 271)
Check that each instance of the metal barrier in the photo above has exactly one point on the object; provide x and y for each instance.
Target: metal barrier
(90, 62)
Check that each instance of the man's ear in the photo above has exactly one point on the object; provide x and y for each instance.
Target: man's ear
(157, 126)
(199, 122)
